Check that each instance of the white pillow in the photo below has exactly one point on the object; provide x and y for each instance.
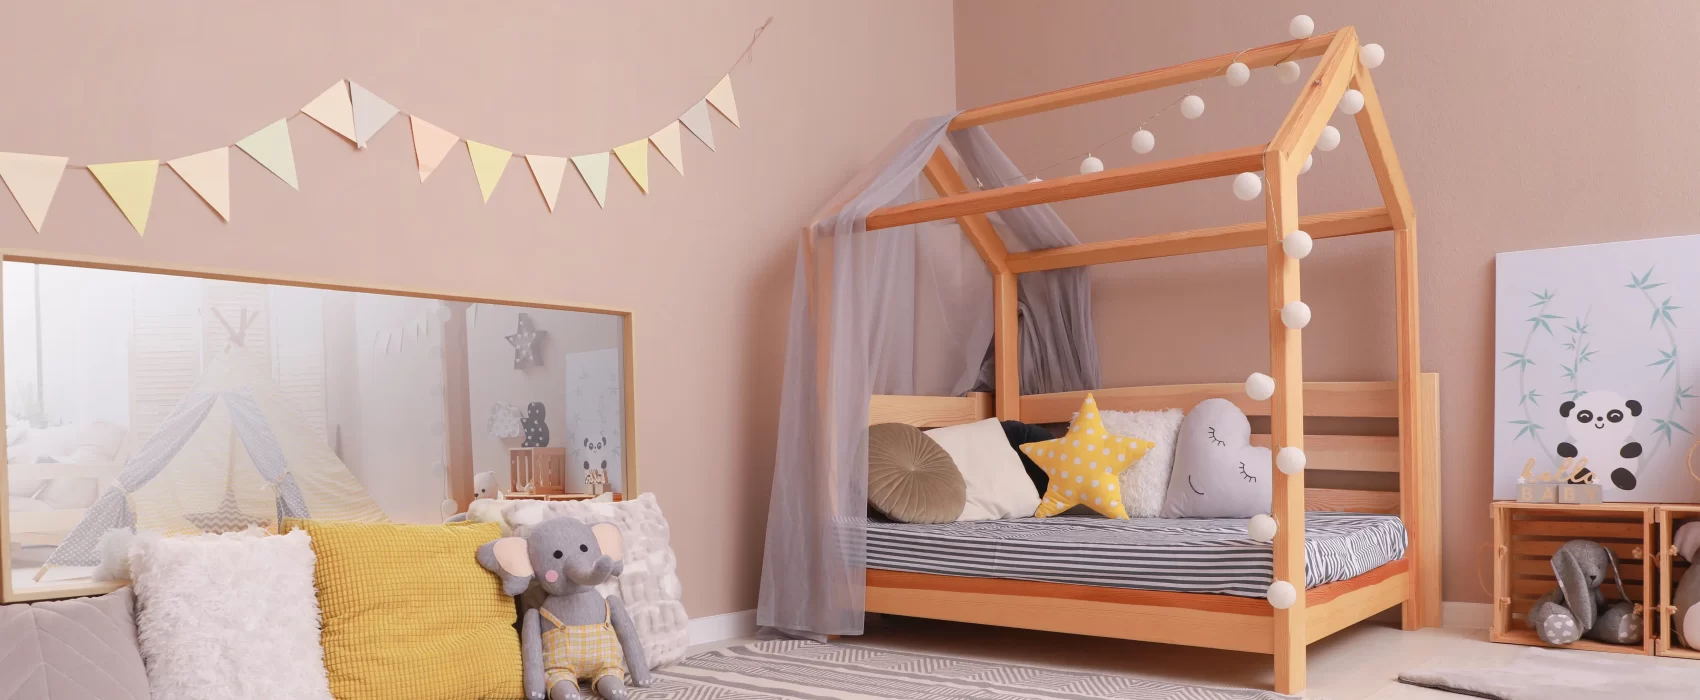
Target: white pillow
(998, 486)
(1146, 483)
(229, 616)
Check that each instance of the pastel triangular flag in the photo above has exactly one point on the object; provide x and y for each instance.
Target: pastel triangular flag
(667, 141)
(430, 145)
(333, 109)
(721, 98)
(635, 156)
(130, 185)
(208, 174)
(548, 170)
(488, 162)
(33, 179)
(270, 146)
(696, 119)
(594, 169)
(371, 113)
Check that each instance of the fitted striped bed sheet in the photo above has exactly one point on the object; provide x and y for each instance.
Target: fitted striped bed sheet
(1193, 555)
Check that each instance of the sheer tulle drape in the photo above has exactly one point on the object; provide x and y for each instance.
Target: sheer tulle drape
(905, 310)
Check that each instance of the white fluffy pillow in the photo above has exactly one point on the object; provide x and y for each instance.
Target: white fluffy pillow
(1147, 481)
(998, 486)
(229, 616)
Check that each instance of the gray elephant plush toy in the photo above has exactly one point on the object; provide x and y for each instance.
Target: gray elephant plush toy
(1577, 607)
(574, 633)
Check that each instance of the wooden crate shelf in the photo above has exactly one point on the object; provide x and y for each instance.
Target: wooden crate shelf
(1527, 534)
(1671, 568)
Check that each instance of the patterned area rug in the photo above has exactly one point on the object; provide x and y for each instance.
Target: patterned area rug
(801, 670)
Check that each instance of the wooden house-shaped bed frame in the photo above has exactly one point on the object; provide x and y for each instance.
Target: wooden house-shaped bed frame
(1209, 620)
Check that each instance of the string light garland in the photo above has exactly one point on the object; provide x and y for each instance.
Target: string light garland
(1259, 386)
(1290, 460)
(1351, 102)
(1296, 245)
(1247, 186)
(1238, 74)
(1328, 139)
(1262, 528)
(1282, 595)
(1143, 141)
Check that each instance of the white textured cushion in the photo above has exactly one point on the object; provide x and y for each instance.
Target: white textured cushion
(1145, 484)
(998, 486)
(79, 649)
(229, 616)
(649, 585)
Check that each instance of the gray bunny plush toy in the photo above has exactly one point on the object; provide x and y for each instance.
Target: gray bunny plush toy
(574, 633)
(1577, 607)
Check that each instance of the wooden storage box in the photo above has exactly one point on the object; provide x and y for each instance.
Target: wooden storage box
(540, 470)
(1525, 537)
(1671, 569)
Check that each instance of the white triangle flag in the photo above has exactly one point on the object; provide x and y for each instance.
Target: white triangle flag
(33, 180)
(270, 146)
(333, 109)
(548, 170)
(722, 99)
(371, 113)
(208, 174)
(696, 119)
(667, 142)
(594, 169)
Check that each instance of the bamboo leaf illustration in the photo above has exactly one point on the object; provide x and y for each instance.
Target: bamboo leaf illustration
(1682, 393)
(1521, 361)
(1529, 428)
(1575, 394)
(1668, 361)
(1541, 322)
(1569, 372)
(1667, 427)
(1541, 298)
(1531, 397)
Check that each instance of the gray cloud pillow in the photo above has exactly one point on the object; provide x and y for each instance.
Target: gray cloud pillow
(1218, 474)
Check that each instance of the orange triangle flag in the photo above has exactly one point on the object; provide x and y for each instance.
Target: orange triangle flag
(430, 145)
(548, 170)
(667, 142)
(208, 174)
(33, 180)
(333, 109)
(721, 98)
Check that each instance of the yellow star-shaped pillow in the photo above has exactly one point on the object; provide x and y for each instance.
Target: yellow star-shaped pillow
(1085, 465)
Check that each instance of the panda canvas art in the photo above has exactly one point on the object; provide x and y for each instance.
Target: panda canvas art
(1592, 377)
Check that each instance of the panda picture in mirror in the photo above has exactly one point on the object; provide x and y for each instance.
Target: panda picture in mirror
(1601, 428)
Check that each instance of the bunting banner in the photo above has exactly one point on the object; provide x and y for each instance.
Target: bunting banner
(358, 114)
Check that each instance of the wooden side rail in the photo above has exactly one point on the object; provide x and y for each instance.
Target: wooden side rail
(1261, 57)
(1338, 399)
(1249, 235)
(1168, 172)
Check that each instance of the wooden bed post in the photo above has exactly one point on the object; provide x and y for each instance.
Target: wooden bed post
(947, 182)
(1419, 478)
(1286, 427)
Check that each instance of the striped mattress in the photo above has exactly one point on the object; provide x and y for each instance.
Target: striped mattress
(1192, 555)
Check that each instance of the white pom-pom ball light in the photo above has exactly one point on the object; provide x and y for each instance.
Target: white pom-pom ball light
(1290, 460)
(1301, 27)
(1259, 386)
(1296, 245)
(1238, 74)
(1351, 102)
(1282, 595)
(1372, 55)
(448, 508)
(1329, 139)
(1091, 165)
(1295, 315)
(1247, 186)
(1035, 179)
(1144, 141)
(1287, 72)
(1261, 528)
(1192, 107)
(1309, 160)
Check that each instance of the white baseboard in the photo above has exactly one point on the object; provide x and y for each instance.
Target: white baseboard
(1472, 615)
(715, 628)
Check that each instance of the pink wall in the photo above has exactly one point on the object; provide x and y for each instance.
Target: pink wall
(1520, 125)
(704, 260)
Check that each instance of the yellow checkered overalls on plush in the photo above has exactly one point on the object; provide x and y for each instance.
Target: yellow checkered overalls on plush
(587, 652)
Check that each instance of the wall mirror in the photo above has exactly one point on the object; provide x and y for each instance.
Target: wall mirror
(183, 402)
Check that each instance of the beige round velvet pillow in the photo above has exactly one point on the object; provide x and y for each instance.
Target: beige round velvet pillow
(910, 478)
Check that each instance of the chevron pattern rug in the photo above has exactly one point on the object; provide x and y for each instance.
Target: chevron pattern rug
(801, 670)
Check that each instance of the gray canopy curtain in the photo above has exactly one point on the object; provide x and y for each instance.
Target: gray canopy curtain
(904, 310)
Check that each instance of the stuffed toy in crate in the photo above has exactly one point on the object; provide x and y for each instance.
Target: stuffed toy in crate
(1577, 608)
(575, 633)
(1685, 624)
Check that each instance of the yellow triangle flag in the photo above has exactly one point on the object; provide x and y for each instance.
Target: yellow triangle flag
(33, 180)
(488, 162)
(635, 156)
(208, 174)
(270, 146)
(333, 109)
(721, 98)
(594, 169)
(667, 142)
(548, 170)
(131, 187)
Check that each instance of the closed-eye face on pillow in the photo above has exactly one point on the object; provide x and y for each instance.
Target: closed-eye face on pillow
(1218, 473)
